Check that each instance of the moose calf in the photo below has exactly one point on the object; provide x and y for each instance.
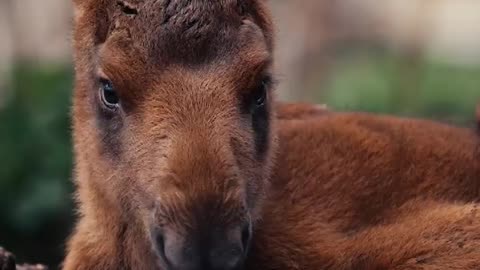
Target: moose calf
(181, 163)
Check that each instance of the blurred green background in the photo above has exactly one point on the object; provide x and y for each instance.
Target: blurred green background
(36, 157)
(348, 68)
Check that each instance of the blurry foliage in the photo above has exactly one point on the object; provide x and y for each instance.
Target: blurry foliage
(36, 158)
(391, 84)
(35, 148)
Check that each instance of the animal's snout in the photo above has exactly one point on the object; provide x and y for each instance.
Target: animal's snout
(215, 249)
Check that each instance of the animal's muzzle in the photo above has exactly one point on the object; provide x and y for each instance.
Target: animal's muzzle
(211, 249)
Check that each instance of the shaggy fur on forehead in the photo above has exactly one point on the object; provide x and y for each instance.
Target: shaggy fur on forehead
(188, 32)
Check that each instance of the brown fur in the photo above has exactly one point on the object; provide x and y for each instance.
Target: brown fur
(344, 177)
(421, 235)
(181, 155)
(184, 154)
(299, 111)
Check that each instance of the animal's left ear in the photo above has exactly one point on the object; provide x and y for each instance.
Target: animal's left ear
(262, 17)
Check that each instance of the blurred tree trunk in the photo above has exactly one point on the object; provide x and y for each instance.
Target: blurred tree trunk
(47, 39)
(304, 31)
(411, 67)
(6, 49)
(33, 31)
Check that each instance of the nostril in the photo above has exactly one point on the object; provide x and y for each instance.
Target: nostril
(229, 249)
(246, 236)
(226, 257)
(160, 241)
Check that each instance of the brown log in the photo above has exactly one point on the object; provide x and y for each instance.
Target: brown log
(7, 262)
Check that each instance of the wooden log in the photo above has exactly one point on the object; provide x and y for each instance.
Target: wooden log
(8, 262)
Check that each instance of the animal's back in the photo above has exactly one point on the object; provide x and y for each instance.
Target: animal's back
(354, 169)
(424, 235)
(357, 191)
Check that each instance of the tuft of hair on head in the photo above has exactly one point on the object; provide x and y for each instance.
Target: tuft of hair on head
(127, 8)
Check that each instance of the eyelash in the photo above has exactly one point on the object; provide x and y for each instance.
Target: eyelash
(108, 95)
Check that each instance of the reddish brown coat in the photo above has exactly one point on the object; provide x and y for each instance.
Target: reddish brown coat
(357, 191)
(325, 190)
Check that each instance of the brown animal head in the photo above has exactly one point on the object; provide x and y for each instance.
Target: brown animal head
(173, 122)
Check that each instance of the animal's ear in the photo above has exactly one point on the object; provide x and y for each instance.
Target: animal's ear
(90, 29)
(263, 18)
(92, 19)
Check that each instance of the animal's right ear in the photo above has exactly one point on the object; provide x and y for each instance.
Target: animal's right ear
(91, 19)
(96, 20)
(90, 29)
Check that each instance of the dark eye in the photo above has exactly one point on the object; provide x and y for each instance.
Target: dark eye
(108, 95)
(259, 97)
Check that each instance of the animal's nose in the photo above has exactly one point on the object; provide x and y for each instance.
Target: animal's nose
(208, 250)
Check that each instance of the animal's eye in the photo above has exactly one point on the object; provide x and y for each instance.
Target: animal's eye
(259, 97)
(108, 95)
